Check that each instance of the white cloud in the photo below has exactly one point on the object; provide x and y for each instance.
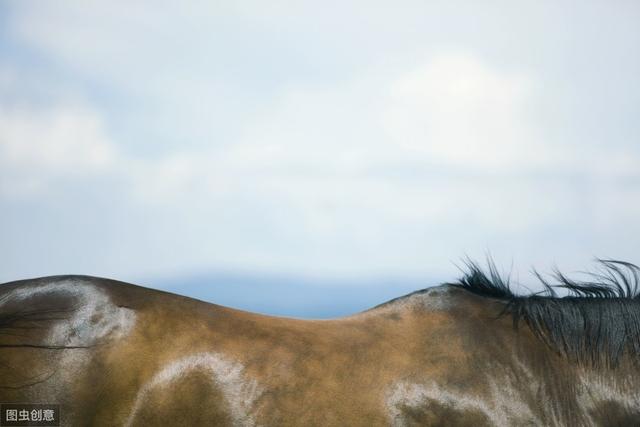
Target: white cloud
(456, 109)
(294, 137)
(448, 142)
(38, 146)
(370, 148)
(165, 179)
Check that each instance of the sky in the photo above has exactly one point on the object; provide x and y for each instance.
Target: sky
(338, 142)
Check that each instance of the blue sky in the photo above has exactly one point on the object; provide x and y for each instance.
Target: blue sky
(337, 141)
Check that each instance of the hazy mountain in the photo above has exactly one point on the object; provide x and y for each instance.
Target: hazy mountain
(291, 296)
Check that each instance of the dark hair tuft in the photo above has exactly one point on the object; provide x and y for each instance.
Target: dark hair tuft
(597, 322)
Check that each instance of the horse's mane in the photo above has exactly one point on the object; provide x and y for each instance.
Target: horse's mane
(596, 322)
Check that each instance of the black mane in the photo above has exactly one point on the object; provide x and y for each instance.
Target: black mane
(597, 322)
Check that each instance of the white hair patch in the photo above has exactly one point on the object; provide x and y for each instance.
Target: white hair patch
(239, 392)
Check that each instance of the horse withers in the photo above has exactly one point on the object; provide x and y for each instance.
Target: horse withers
(470, 353)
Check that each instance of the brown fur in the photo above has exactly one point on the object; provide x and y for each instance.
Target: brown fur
(441, 357)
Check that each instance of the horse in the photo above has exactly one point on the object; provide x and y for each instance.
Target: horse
(472, 352)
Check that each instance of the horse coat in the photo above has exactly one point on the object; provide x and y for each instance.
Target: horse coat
(464, 354)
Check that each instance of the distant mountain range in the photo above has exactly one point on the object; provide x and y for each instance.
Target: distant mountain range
(291, 296)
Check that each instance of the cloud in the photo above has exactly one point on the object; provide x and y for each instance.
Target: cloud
(40, 146)
(293, 138)
(334, 165)
(456, 109)
(447, 142)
